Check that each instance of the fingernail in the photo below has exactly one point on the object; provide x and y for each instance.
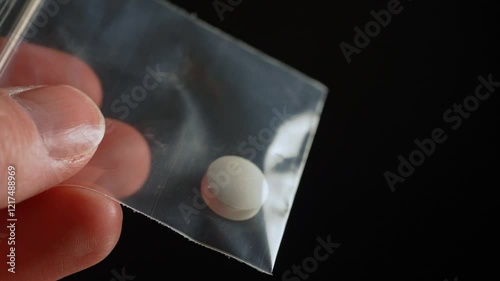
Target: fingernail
(20, 89)
(69, 123)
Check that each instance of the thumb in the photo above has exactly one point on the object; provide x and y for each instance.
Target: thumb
(47, 134)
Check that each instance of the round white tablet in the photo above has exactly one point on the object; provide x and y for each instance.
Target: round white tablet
(234, 188)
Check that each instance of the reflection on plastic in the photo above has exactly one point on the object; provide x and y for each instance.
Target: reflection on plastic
(213, 96)
(283, 164)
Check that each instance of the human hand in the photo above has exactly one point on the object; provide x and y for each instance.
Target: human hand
(67, 156)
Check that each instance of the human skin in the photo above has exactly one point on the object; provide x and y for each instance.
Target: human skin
(65, 178)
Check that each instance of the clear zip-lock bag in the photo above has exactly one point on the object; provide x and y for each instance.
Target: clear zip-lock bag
(226, 129)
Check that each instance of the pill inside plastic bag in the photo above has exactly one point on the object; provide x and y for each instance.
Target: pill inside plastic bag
(194, 95)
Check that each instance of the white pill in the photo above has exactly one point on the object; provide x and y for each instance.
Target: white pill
(234, 188)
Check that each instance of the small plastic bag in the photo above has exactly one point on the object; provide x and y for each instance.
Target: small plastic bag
(194, 94)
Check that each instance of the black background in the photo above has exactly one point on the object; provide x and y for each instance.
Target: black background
(439, 224)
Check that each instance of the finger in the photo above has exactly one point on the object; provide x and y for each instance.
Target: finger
(47, 134)
(59, 232)
(121, 163)
(37, 65)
